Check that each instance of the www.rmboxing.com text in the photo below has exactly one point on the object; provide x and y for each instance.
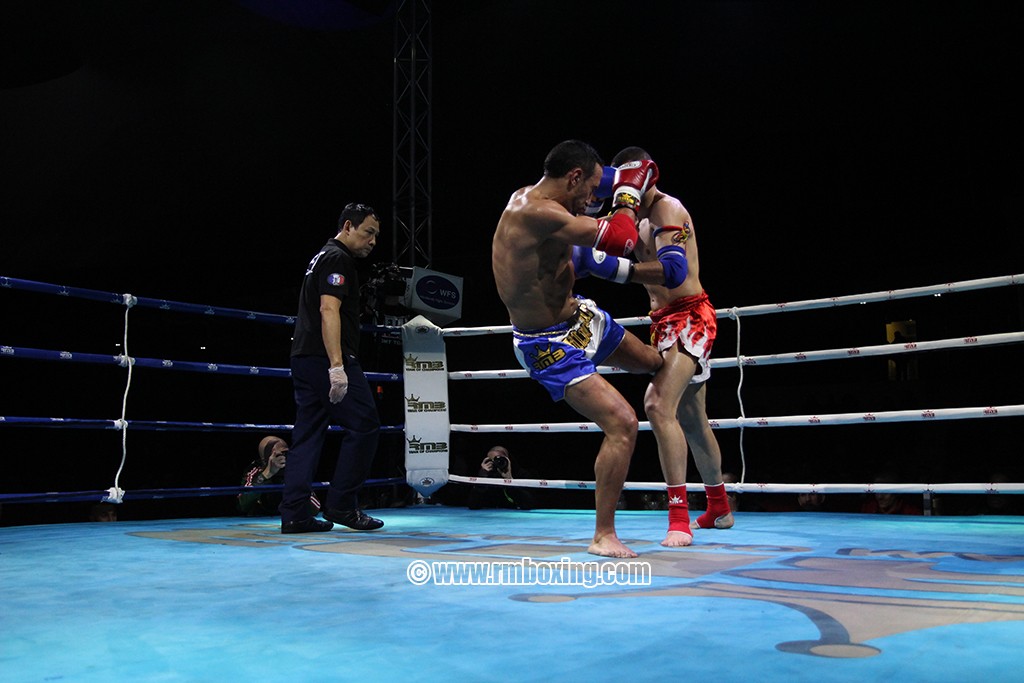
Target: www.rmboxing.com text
(529, 572)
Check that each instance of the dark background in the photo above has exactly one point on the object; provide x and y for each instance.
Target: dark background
(201, 152)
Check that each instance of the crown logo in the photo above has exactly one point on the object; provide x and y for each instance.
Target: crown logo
(545, 358)
(543, 355)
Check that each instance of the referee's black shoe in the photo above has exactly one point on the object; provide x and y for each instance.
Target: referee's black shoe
(305, 526)
(353, 519)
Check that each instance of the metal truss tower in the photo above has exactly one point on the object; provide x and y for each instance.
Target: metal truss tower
(412, 180)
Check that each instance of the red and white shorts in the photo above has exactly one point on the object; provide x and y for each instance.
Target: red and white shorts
(690, 323)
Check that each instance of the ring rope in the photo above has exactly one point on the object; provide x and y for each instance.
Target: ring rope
(164, 364)
(829, 302)
(735, 313)
(798, 357)
(739, 360)
(144, 302)
(783, 421)
(994, 488)
(157, 494)
(792, 306)
(159, 425)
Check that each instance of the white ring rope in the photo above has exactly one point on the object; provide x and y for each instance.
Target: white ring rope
(782, 421)
(993, 488)
(792, 306)
(798, 357)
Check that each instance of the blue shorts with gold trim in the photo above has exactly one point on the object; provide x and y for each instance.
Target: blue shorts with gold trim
(566, 353)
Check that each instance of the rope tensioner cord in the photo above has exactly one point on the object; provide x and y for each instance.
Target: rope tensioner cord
(735, 315)
(116, 493)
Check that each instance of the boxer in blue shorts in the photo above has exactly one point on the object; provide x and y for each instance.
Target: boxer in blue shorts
(559, 337)
(564, 354)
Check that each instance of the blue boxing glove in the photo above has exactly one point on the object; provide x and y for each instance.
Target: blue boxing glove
(599, 264)
(673, 260)
(594, 208)
(604, 190)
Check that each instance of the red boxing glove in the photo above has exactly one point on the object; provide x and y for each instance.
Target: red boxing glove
(631, 182)
(616, 235)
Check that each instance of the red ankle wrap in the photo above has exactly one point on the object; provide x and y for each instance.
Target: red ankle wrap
(678, 510)
(718, 506)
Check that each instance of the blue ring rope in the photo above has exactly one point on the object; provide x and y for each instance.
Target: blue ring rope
(159, 494)
(163, 364)
(161, 304)
(160, 425)
(189, 366)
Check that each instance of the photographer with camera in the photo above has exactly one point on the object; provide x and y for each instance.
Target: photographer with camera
(497, 464)
(267, 468)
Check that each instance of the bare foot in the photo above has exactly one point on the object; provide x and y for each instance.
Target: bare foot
(723, 522)
(677, 539)
(610, 546)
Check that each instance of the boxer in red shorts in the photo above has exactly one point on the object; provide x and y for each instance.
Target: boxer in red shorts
(683, 331)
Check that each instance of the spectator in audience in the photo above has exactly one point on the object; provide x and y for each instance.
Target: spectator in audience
(810, 502)
(891, 503)
(267, 468)
(103, 512)
(498, 464)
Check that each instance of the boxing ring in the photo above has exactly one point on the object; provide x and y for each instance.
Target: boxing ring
(781, 596)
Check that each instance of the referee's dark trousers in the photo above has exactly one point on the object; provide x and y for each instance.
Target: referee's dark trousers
(356, 414)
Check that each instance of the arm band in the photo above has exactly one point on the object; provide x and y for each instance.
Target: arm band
(665, 228)
(673, 261)
(684, 232)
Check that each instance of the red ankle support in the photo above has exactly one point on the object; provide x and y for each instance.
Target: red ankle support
(678, 510)
(718, 506)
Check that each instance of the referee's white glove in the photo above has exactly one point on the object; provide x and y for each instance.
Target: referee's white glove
(339, 383)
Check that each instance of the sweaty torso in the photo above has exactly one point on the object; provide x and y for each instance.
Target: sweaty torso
(531, 270)
(667, 210)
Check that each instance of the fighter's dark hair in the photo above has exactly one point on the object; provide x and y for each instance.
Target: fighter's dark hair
(631, 154)
(571, 154)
